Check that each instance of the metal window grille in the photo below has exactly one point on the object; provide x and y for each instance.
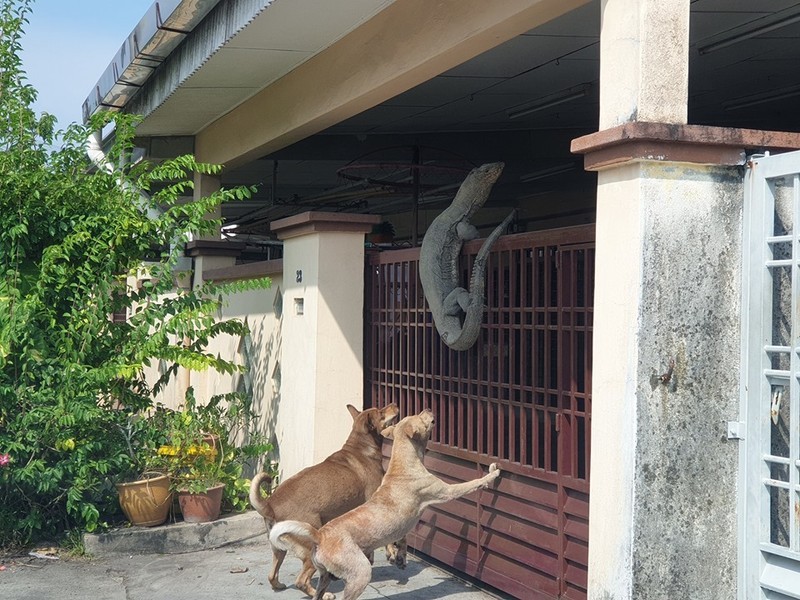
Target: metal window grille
(770, 525)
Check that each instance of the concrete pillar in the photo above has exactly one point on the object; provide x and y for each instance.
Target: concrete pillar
(644, 61)
(205, 185)
(665, 378)
(662, 519)
(321, 364)
(665, 382)
(211, 254)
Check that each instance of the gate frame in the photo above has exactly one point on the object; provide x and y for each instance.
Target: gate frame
(752, 429)
(571, 490)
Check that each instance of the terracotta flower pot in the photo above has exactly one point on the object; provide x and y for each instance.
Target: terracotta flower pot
(146, 502)
(212, 439)
(202, 507)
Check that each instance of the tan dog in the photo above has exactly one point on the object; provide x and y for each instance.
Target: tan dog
(342, 546)
(319, 493)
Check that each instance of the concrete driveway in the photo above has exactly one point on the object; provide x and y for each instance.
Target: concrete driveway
(237, 571)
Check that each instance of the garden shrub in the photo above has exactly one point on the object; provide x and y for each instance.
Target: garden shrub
(70, 378)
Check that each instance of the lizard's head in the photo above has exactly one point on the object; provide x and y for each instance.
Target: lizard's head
(475, 189)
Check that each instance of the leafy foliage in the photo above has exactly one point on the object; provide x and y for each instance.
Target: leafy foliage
(208, 444)
(72, 389)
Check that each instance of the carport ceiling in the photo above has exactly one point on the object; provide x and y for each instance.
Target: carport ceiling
(744, 59)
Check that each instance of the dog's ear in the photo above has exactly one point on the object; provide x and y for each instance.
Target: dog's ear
(388, 433)
(354, 412)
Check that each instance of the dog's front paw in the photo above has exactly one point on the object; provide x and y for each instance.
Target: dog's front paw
(328, 596)
(494, 473)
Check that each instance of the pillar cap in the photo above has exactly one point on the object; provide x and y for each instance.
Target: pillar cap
(316, 222)
(701, 144)
(214, 248)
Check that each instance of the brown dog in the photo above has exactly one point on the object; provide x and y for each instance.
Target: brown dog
(319, 493)
(341, 547)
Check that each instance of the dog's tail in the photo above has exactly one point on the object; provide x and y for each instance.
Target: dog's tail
(296, 532)
(257, 501)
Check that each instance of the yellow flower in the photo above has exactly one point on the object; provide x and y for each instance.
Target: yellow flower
(201, 450)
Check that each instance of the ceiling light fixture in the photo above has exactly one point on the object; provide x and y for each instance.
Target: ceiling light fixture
(548, 102)
(746, 35)
(548, 172)
(763, 98)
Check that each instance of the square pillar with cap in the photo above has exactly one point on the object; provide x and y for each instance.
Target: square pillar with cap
(321, 365)
(667, 343)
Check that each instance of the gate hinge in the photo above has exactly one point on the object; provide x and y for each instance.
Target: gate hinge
(736, 430)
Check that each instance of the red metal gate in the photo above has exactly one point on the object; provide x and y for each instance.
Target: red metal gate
(521, 396)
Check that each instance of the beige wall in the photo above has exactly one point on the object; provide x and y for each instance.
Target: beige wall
(304, 351)
(260, 352)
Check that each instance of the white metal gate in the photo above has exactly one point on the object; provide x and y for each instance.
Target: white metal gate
(770, 460)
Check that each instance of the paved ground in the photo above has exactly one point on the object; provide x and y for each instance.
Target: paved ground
(236, 572)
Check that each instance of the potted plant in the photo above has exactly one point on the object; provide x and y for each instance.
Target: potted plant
(382, 233)
(146, 501)
(196, 454)
(194, 463)
(145, 494)
(205, 454)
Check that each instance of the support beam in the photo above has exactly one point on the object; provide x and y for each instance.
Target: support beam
(405, 45)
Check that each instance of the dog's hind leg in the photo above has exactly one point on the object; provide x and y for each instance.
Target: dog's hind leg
(277, 560)
(345, 560)
(322, 586)
(359, 574)
(307, 571)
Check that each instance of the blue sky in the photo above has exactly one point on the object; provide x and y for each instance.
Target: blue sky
(67, 46)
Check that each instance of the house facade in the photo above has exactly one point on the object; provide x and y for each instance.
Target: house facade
(658, 133)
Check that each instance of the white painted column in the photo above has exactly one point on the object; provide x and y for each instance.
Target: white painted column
(322, 333)
(644, 61)
(614, 378)
(643, 77)
(204, 186)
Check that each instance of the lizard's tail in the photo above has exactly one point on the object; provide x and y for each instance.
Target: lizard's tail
(473, 316)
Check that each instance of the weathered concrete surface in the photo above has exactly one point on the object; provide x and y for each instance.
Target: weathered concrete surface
(237, 572)
(686, 469)
(179, 561)
(665, 382)
(644, 66)
(176, 538)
